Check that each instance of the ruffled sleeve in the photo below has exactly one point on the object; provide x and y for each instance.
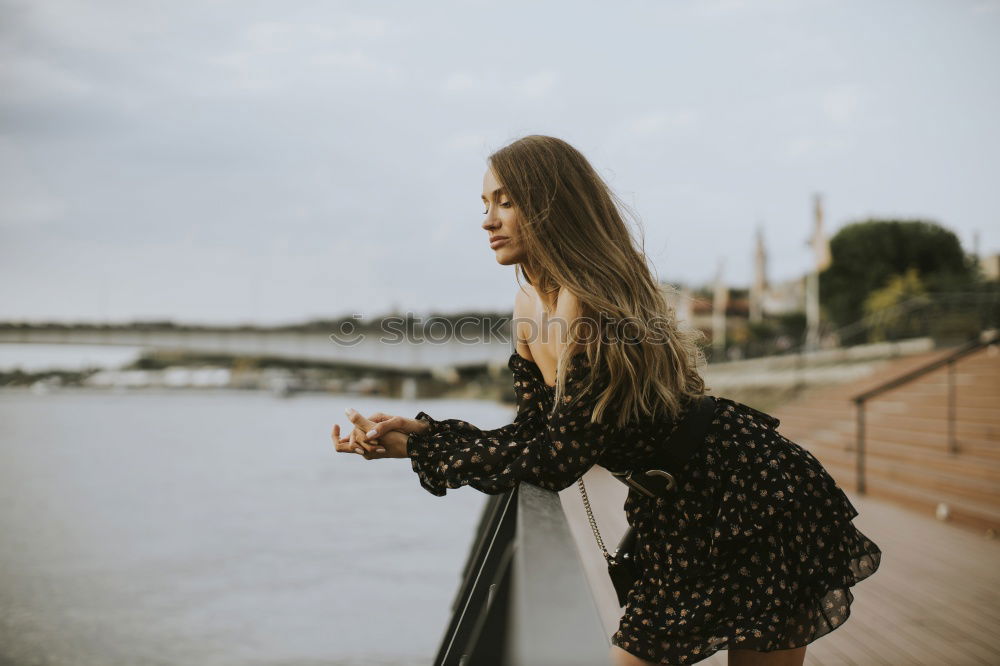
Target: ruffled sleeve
(551, 449)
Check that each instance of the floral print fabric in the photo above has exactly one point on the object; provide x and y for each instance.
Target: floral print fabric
(755, 549)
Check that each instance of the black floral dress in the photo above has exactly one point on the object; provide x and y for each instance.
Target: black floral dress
(755, 549)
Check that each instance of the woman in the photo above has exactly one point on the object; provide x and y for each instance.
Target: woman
(755, 551)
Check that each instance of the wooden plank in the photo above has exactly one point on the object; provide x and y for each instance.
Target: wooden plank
(925, 596)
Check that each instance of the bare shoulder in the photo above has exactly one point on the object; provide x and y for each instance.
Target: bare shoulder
(567, 311)
(567, 305)
(531, 319)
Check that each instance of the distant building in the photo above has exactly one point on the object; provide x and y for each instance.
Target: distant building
(695, 310)
(990, 265)
(772, 299)
(785, 297)
(758, 289)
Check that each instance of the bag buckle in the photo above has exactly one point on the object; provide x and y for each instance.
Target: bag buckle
(650, 482)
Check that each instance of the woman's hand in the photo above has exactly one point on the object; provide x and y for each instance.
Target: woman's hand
(379, 436)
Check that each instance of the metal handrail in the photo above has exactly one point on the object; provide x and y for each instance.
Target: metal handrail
(524, 598)
(484, 572)
(555, 617)
(861, 399)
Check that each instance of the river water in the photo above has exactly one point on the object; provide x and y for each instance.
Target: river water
(219, 527)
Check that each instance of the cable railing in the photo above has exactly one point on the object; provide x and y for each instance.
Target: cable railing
(943, 316)
(860, 400)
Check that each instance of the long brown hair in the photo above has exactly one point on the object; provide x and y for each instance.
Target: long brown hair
(574, 234)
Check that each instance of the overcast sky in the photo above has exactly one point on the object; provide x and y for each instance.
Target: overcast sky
(230, 162)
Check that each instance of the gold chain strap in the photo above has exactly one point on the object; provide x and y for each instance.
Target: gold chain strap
(586, 500)
(593, 523)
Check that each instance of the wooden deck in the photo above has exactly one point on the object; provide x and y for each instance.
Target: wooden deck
(934, 600)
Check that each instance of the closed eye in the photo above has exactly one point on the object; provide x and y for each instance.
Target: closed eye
(505, 204)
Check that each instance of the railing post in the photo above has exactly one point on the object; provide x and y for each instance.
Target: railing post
(952, 408)
(800, 362)
(860, 453)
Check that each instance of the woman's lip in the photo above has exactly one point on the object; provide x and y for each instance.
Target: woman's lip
(494, 244)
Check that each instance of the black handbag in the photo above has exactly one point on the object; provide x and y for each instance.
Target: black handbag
(653, 479)
(623, 566)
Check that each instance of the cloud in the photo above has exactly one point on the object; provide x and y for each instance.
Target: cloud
(371, 27)
(233, 125)
(265, 70)
(459, 82)
(537, 85)
(355, 60)
(466, 142)
(734, 8)
(24, 200)
(986, 7)
(637, 136)
(273, 36)
(719, 7)
(532, 86)
(20, 211)
(656, 123)
(813, 147)
(279, 55)
(26, 77)
(841, 103)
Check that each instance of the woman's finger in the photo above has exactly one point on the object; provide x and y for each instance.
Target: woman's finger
(363, 442)
(400, 423)
(355, 446)
(370, 444)
(358, 420)
(341, 443)
(382, 424)
(369, 449)
(361, 425)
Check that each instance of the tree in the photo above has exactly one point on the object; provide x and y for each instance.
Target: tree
(867, 255)
(885, 306)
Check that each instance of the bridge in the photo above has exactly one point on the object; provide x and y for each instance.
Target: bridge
(375, 350)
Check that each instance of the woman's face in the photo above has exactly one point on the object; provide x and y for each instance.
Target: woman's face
(501, 221)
